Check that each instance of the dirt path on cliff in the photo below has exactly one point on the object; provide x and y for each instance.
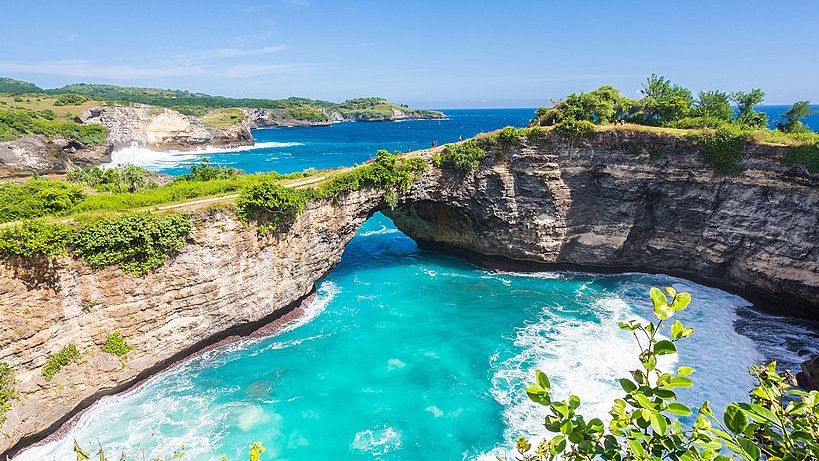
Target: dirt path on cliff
(187, 205)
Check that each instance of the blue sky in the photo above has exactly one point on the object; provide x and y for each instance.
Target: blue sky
(425, 53)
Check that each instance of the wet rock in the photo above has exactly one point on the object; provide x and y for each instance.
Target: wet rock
(808, 378)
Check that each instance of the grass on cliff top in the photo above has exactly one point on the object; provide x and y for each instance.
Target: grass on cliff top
(42, 102)
(223, 118)
(19, 123)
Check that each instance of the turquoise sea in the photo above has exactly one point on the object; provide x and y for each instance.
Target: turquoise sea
(407, 354)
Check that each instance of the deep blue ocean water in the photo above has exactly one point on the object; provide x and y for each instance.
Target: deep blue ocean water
(288, 150)
(407, 354)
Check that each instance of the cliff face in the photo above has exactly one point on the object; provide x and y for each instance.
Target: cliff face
(621, 201)
(632, 201)
(161, 128)
(38, 154)
(225, 277)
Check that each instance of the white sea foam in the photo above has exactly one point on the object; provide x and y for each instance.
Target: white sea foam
(377, 441)
(154, 159)
(381, 231)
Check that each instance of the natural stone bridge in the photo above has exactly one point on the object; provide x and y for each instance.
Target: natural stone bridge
(602, 204)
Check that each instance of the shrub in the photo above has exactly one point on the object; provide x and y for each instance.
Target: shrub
(204, 172)
(465, 156)
(137, 243)
(125, 178)
(271, 204)
(7, 390)
(807, 156)
(508, 135)
(115, 345)
(792, 118)
(33, 238)
(779, 423)
(16, 123)
(699, 122)
(70, 99)
(723, 149)
(55, 362)
(575, 128)
(37, 197)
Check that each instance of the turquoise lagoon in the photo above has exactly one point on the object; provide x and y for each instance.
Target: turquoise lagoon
(406, 354)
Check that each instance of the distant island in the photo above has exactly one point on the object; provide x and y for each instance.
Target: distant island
(49, 130)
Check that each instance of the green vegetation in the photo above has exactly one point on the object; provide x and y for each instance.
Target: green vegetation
(37, 197)
(34, 239)
(723, 148)
(137, 243)
(17, 123)
(709, 119)
(779, 423)
(274, 207)
(7, 390)
(127, 178)
(465, 156)
(204, 172)
(223, 118)
(70, 99)
(12, 86)
(271, 204)
(115, 344)
(55, 362)
(793, 118)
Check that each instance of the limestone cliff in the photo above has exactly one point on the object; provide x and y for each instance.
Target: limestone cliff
(636, 201)
(161, 128)
(271, 118)
(38, 154)
(622, 200)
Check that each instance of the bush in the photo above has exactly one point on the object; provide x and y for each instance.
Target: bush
(723, 149)
(807, 156)
(125, 178)
(779, 423)
(271, 204)
(115, 345)
(699, 122)
(575, 128)
(70, 99)
(204, 172)
(37, 197)
(137, 243)
(55, 362)
(465, 156)
(33, 239)
(17, 123)
(508, 135)
(7, 390)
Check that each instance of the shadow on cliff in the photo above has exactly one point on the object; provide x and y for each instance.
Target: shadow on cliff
(36, 271)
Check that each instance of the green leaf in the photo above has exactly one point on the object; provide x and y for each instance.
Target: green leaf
(685, 371)
(665, 347)
(657, 297)
(557, 445)
(628, 385)
(679, 409)
(676, 330)
(671, 291)
(681, 301)
(81, 454)
(542, 380)
(663, 311)
(636, 448)
(750, 448)
(679, 382)
(735, 419)
(758, 413)
(643, 401)
(658, 423)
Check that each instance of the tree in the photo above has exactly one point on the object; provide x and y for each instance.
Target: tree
(714, 104)
(600, 106)
(747, 116)
(778, 423)
(793, 118)
(663, 102)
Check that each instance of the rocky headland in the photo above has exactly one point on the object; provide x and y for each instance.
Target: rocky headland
(621, 200)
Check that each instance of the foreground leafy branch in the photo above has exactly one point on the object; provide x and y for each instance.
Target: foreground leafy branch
(779, 423)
